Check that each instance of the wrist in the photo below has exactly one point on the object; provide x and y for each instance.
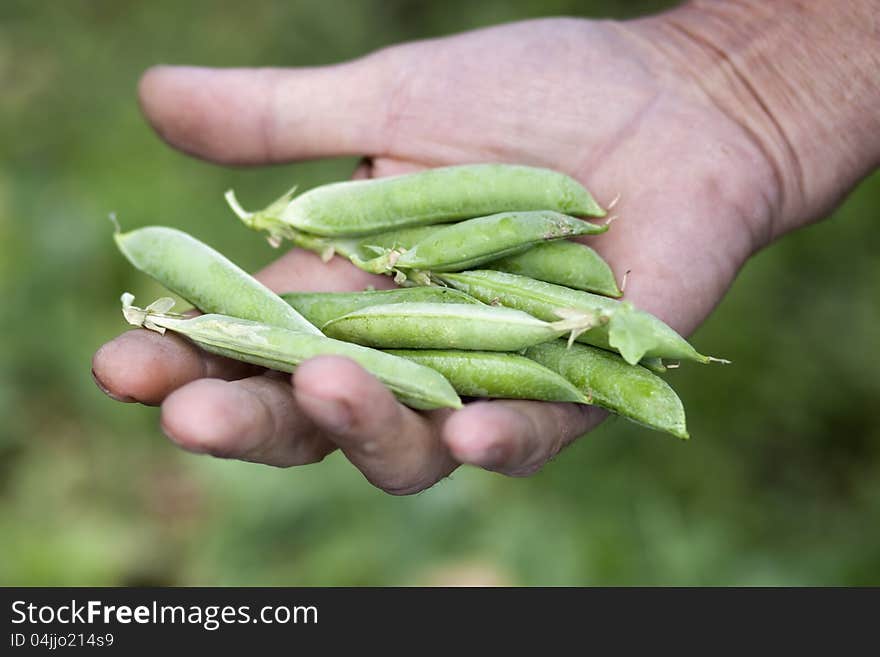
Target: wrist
(800, 79)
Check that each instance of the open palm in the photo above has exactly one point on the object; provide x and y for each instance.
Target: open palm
(612, 104)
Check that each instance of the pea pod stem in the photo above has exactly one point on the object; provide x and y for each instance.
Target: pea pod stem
(266, 220)
(276, 231)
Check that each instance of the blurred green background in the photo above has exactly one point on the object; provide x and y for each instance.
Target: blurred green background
(780, 484)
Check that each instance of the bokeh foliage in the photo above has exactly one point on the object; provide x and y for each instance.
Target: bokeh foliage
(780, 484)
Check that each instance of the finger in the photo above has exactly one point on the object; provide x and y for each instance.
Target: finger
(395, 448)
(254, 419)
(143, 366)
(516, 437)
(268, 114)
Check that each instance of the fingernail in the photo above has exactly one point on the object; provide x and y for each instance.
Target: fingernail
(121, 398)
(331, 414)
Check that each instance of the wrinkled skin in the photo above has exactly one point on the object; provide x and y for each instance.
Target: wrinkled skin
(608, 103)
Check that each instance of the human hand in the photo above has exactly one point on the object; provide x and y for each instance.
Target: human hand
(616, 105)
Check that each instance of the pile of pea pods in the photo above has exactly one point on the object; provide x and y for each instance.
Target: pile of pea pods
(494, 300)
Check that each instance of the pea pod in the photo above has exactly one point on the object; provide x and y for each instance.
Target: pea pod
(633, 333)
(470, 243)
(363, 207)
(321, 307)
(450, 326)
(629, 391)
(283, 349)
(495, 375)
(206, 278)
(567, 263)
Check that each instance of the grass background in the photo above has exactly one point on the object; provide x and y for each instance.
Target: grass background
(780, 484)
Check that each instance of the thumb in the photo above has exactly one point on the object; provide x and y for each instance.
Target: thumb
(264, 115)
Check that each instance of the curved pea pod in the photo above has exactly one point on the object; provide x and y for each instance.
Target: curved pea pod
(495, 375)
(571, 264)
(633, 333)
(629, 391)
(283, 349)
(450, 326)
(321, 307)
(206, 278)
(473, 242)
(363, 207)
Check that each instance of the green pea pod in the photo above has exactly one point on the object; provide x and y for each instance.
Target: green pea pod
(495, 375)
(450, 326)
(567, 263)
(283, 349)
(206, 278)
(633, 333)
(321, 307)
(364, 207)
(629, 391)
(471, 243)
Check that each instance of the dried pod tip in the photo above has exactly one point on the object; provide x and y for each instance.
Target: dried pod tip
(417, 277)
(239, 211)
(577, 322)
(116, 227)
(383, 263)
(133, 315)
(142, 316)
(280, 204)
(614, 202)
